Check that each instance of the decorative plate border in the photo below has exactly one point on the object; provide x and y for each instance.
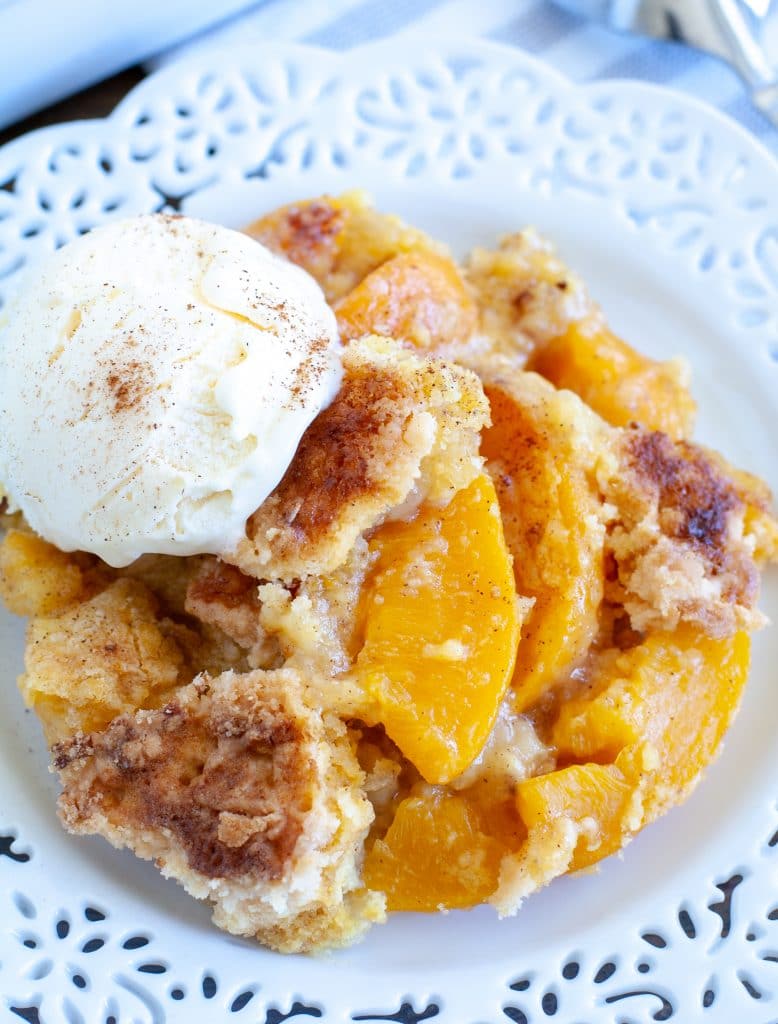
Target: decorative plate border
(691, 182)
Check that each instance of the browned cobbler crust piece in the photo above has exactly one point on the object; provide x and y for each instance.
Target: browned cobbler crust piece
(338, 240)
(167, 576)
(245, 795)
(109, 654)
(306, 233)
(760, 524)
(220, 594)
(525, 293)
(176, 771)
(682, 545)
(402, 428)
(38, 579)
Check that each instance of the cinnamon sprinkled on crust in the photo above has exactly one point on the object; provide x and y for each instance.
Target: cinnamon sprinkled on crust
(221, 595)
(244, 793)
(180, 769)
(305, 233)
(694, 499)
(680, 542)
(362, 456)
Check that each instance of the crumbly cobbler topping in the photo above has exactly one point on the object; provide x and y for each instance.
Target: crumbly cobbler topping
(490, 623)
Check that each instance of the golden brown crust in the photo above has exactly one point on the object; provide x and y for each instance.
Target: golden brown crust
(679, 543)
(221, 595)
(684, 530)
(245, 794)
(338, 240)
(37, 578)
(336, 462)
(166, 576)
(694, 501)
(107, 655)
(399, 422)
(526, 295)
(211, 636)
(760, 523)
(227, 782)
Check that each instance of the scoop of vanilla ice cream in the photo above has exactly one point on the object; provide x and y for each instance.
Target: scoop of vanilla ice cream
(156, 376)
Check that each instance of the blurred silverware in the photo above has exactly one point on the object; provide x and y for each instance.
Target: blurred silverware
(742, 32)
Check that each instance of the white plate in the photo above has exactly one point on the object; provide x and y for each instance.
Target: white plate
(671, 215)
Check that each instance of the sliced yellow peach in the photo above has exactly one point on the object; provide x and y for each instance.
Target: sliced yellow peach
(441, 625)
(619, 383)
(541, 452)
(442, 851)
(602, 801)
(415, 297)
(677, 691)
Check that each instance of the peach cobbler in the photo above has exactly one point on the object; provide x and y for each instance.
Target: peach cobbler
(492, 621)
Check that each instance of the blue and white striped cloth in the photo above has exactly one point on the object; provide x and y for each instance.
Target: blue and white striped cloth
(582, 50)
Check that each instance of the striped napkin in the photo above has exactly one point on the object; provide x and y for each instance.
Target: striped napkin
(582, 50)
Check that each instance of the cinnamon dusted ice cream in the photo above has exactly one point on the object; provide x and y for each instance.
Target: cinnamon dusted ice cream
(156, 376)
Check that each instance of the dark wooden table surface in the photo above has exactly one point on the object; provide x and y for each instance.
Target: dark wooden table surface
(95, 102)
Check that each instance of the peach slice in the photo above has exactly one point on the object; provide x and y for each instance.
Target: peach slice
(541, 452)
(416, 297)
(619, 383)
(441, 626)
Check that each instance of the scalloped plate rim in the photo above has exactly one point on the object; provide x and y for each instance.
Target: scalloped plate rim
(209, 60)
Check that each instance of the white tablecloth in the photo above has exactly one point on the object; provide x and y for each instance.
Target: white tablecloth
(580, 49)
